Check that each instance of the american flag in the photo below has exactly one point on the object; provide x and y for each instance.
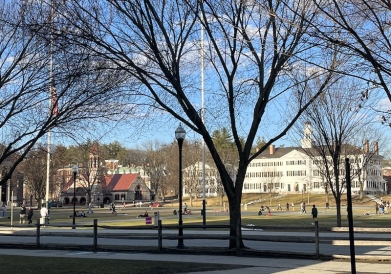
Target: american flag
(53, 93)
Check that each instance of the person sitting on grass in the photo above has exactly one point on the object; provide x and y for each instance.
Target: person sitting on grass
(143, 215)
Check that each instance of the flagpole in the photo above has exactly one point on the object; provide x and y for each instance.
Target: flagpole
(50, 106)
(203, 121)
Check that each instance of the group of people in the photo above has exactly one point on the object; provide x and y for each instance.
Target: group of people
(26, 213)
(186, 210)
(381, 208)
(143, 215)
(112, 208)
(263, 208)
(287, 205)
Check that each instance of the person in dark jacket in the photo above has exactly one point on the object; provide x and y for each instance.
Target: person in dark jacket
(30, 214)
(314, 213)
(22, 215)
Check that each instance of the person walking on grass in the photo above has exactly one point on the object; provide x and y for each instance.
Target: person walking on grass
(22, 215)
(30, 213)
(3, 210)
(314, 213)
(44, 215)
(279, 207)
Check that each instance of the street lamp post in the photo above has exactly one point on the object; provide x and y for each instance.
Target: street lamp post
(180, 134)
(74, 170)
(17, 193)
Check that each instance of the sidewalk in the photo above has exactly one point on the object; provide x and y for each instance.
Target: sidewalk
(250, 265)
(333, 244)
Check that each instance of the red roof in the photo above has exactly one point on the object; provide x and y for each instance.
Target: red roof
(122, 182)
(116, 182)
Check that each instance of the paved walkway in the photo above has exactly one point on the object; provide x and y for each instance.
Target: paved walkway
(250, 265)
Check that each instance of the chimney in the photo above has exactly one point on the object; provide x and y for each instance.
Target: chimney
(376, 148)
(366, 146)
(272, 149)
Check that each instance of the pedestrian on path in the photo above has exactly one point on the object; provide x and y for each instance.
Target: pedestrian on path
(22, 214)
(314, 213)
(376, 208)
(303, 208)
(90, 208)
(3, 210)
(279, 207)
(287, 206)
(44, 215)
(30, 213)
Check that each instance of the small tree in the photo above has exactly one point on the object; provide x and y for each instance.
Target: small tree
(332, 122)
(155, 165)
(34, 170)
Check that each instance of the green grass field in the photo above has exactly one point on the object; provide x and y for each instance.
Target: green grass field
(128, 217)
(215, 216)
(33, 265)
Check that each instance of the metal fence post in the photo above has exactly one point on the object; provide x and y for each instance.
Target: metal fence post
(95, 235)
(159, 235)
(38, 240)
(317, 239)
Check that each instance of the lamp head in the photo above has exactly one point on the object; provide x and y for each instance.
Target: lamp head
(75, 168)
(180, 133)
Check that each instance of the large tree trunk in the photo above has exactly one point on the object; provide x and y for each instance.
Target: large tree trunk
(89, 198)
(339, 218)
(236, 224)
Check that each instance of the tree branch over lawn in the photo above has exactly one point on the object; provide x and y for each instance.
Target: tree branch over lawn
(362, 29)
(85, 84)
(334, 121)
(254, 54)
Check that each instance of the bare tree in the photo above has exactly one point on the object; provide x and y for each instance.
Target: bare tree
(170, 185)
(155, 165)
(47, 84)
(361, 29)
(34, 170)
(270, 180)
(90, 170)
(191, 180)
(254, 50)
(332, 123)
(366, 157)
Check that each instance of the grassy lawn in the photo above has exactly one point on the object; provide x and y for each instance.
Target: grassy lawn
(128, 216)
(33, 265)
